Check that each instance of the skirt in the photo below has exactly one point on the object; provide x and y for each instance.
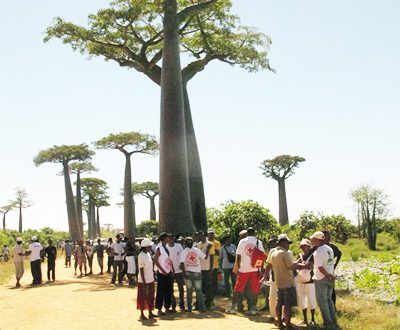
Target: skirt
(145, 296)
(131, 265)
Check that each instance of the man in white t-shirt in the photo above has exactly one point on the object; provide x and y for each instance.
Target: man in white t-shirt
(34, 252)
(190, 263)
(175, 250)
(246, 272)
(324, 278)
(118, 250)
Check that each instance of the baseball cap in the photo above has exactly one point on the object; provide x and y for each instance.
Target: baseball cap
(19, 239)
(33, 238)
(305, 241)
(210, 231)
(284, 237)
(318, 235)
(145, 242)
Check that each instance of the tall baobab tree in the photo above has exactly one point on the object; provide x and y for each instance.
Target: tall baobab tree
(5, 209)
(149, 190)
(64, 154)
(128, 144)
(21, 201)
(280, 168)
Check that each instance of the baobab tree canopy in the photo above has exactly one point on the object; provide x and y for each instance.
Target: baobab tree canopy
(131, 142)
(63, 154)
(281, 167)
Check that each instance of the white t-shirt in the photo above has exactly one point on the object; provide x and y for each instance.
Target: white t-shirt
(118, 248)
(205, 263)
(175, 254)
(145, 262)
(18, 249)
(245, 250)
(191, 259)
(164, 260)
(323, 256)
(35, 249)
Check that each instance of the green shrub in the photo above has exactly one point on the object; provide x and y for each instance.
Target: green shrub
(367, 280)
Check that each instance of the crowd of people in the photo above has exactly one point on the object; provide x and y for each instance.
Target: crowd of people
(207, 267)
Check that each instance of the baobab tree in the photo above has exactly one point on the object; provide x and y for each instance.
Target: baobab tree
(5, 209)
(64, 154)
(280, 168)
(21, 201)
(132, 33)
(78, 168)
(149, 190)
(129, 143)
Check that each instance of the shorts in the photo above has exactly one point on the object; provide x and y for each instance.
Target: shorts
(81, 261)
(287, 297)
(19, 269)
(242, 280)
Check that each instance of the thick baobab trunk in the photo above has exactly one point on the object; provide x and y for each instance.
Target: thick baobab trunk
(98, 233)
(20, 219)
(152, 208)
(196, 185)
(79, 202)
(4, 220)
(283, 210)
(71, 209)
(175, 208)
(92, 218)
(129, 215)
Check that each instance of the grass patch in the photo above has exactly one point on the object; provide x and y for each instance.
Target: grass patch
(7, 271)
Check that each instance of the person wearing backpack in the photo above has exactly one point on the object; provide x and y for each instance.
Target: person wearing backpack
(248, 258)
(228, 256)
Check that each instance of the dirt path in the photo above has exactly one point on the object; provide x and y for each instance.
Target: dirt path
(92, 303)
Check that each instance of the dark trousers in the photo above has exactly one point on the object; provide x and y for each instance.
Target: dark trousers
(67, 261)
(164, 290)
(51, 268)
(110, 262)
(229, 274)
(118, 265)
(214, 282)
(206, 284)
(90, 262)
(36, 271)
(178, 278)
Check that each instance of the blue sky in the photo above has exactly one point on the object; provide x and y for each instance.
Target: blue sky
(333, 100)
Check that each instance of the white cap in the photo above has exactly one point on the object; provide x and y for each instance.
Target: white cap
(305, 241)
(318, 235)
(33, 238)
(145, 242)
(19, 239)
(284, 237)
(210, 231)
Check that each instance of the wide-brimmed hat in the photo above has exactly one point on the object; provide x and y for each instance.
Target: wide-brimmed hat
(145, 242)
(305, 241)
(284, 237)
(318, 235)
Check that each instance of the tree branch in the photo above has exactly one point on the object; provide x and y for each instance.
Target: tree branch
(194, 10)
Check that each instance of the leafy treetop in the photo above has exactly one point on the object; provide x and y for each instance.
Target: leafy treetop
(147, 189)
(130, 32)
(280, 167)
(63, 154)
(82, 167)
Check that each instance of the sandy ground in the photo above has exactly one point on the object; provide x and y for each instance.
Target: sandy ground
(92, 303)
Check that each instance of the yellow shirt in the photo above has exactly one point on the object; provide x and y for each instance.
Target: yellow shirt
(217, 247)
(281, 261)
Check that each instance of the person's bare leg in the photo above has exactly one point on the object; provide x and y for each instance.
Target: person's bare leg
(305, 320)
(288, 314)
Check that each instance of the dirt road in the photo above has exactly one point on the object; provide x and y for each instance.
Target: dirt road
(92, 303)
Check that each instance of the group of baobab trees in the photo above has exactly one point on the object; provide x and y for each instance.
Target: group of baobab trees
(20, 202)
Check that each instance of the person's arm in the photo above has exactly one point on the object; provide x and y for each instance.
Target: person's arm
(156, 257)
(183, 269)
(326, 274)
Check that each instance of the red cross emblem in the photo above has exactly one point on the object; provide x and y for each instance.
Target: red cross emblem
(249, 249)
(192, 258)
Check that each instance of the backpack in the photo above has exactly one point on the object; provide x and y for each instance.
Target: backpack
(231, 257)
(258, 257)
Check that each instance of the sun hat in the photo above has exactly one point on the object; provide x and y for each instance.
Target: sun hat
(19, 239)
(284, 237)
(305, 241)
(318, 235)
(210, 231)
(145, 242)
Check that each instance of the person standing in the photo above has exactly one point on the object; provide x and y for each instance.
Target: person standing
(164, 268)
(89, 254)
(214, 274)
(305, 284)
(51, 254)
(270, 277)
(324, 278)
(145, 290)
(34, 252)
(207, 268)
(191, 270)
(175, 250)
(18, 254)
(99, 250)
(6, 253)
(228, 256)
(80, 257)
(247, 274)
(118, 250)
(110, 256)
(69, 249)
(130, 252)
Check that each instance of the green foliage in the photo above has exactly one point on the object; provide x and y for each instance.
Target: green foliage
(97, 189)
(147, 228)
(63, 154)
(137, 143)
(391, 226)
(147, 189)
(394, 267)
(234, 217)
(367, 280)
(81, 167)
(280, 167)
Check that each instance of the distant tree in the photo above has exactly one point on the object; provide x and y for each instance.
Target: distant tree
(134, 33)
(149, 190)
(78, 168)
(373, 204)
(280, 168)
(4, 210)
(65, 154)
(147, 228)
(100, 201)
(21, 201)
(129, 144)
(233, 217)
(95, 190)
(108, 226)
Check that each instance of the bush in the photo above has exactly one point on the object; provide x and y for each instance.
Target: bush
(234, 217)
(147, 228)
